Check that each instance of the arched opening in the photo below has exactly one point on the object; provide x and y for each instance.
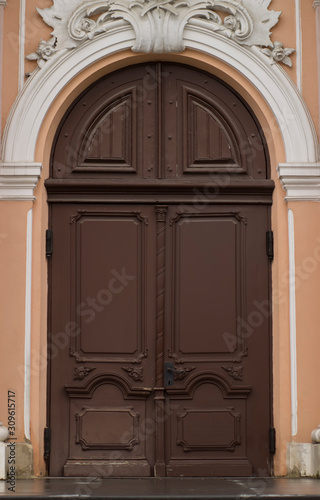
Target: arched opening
(160, 203)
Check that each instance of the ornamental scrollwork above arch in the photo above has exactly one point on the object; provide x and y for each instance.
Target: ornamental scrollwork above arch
(159, 24)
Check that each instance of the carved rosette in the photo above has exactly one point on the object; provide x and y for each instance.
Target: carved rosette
(158, 24)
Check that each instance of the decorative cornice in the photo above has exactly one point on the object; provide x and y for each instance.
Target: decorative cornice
(300, 180)
(159, 24)
(3, 3)
(18, 181)
(316, 3)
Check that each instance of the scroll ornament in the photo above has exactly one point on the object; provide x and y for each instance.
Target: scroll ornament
(159, 24)
(81, 372)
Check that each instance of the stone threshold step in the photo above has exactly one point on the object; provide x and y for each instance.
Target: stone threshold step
(163, 488)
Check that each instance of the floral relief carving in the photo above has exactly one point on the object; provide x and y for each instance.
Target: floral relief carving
(141, 356)
(180, 373)
(136, 373)
(235, 372)
(81, 372)
(77, 216)
(161, 213)
(279, 54)
(175, 357)
(45, 51)
(159, 24)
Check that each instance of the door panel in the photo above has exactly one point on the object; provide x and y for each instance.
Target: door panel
(215, 398)
(208, 131)
(108, 143)
(215, 420)
(109, 249)
(208, 279)
(211, 142)
(159, 326)
(106, 132)
(103, 378)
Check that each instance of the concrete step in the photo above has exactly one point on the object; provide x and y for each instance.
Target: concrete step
(163, 488)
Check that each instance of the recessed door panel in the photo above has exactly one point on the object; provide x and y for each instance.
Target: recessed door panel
(109, 277)
(208, 268)
(107, 145)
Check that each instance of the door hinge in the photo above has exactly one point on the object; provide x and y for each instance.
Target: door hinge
(47, 442)
(49, 243)
(270, 245)
(272, 440)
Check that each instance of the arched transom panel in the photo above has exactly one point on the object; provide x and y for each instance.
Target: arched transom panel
(159, 121)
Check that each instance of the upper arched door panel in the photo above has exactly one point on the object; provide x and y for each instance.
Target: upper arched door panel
(156, 122)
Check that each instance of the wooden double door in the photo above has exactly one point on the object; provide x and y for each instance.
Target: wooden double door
(159, 326)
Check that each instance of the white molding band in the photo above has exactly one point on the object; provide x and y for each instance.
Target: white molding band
(293, 330)
(27, 359)
(3, 3)
(41, 90)
(22, 33)
(316, 6)
(18, 181)
(299, 44)
(300, 180)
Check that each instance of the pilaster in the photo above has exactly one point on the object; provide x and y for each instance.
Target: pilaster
(316, 5)
(3, 3)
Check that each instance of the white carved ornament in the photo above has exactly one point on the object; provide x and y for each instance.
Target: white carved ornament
(159, 24)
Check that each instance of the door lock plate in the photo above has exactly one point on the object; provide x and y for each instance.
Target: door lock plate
(168, 374)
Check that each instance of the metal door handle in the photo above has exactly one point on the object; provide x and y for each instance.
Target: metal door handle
(171, 373)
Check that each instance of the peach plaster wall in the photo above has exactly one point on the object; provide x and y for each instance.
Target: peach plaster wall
(13, 253)
(307, 237)
(13, 224)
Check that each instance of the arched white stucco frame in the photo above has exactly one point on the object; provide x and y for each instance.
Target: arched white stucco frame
(19, 172)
